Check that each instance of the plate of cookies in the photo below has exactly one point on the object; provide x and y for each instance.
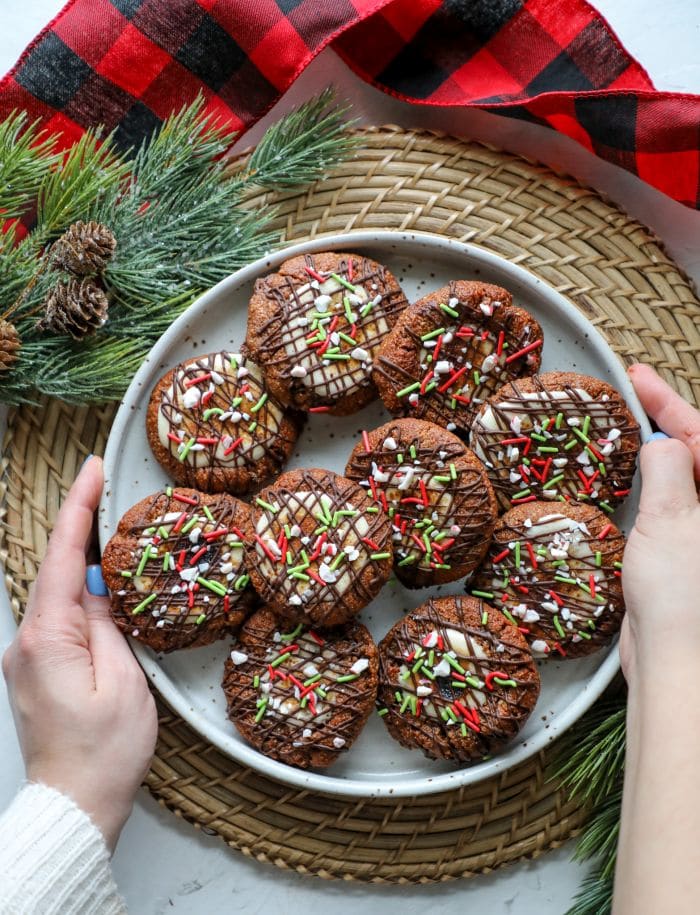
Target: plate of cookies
(364, 514)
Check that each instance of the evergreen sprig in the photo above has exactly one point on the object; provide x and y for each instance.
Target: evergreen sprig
(178, 212)
(591, 764)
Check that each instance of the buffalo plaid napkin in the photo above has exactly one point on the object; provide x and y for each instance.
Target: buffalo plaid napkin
(127, 64)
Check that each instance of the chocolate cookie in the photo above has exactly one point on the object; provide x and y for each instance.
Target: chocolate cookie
(301, 697)
(318, 549)
(449, 352)
(176, 569)
(554, 572)
(437, 494)
(557, 436)
(212, 424)
(455, 680)
(315, 326)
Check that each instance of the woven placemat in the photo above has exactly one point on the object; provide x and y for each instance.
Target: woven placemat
(616, 272)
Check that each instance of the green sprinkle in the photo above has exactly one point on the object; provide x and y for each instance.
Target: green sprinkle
(488, 595)
(450, 311)
(559, 420)
(210, 412)
(145, 556)
(149, 531)
(601, 467)
(579, 433)
(299, 576)
(521, 494)
(348, 678)
(598, 558)
(477, 377)
(428, 673)
(209, 515)
(453, 471)
(444, 715)
(405, 675)
(290, 636)
(126, 574)
(508, 616)
(252, 426)
(417, 666)
(261, 711)
(347, 339)
(547, 449)
(412, 451)
(567, 581)
(281, 659)
(186, 528)
(337, 560)
(404, 704)
(343, 282)
(163, 532)
(397, 696)
(454, 663)
(433, 334)
(484, 617)
(365, 310)
(139, 608)
(166, 562)
(553, 482)
(214, 586)
(501, 682)
(517, 554)
(586, 424)
(313, 679)
(570, 444)
(474, 682)
(320, 691)
(256, 681)
(168, 491)
(537, 437)
(455, 684)
(585, 635)
(235, 544)
(463, 730)
(200, 619)
(348, 310)
(234, 364)
(616, 565)
(337, 357)
(399, 458)
(558, 626)
(408, 560)
(380, 556)
(451, 713)
(607, 507)
(382, 712)
(267, 506)
(186, 450)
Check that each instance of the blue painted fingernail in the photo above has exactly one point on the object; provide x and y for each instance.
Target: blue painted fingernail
(657, 436)
(95, 582)
(86, 460)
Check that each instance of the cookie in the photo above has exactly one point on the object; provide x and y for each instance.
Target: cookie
(456, 680)
(450, 351)
(176, 569)
(558, 436)
(318, 549)
(554, 572)
(300, 696)
(437, 494)
(212, 425)
(315, 327)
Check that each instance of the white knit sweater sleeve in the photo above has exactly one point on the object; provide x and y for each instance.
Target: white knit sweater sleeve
(53, 859)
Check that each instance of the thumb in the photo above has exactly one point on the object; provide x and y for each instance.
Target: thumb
(668, 486)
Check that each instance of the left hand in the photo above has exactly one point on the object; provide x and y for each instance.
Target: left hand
(85, 718)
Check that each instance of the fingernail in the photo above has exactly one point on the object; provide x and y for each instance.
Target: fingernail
(86, 460)
(94, 581)
(657, 436)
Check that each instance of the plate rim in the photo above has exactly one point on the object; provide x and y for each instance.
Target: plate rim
(242, 752)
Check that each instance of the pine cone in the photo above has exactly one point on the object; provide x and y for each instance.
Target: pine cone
(76, 307)
(84, 248)
(9, 345)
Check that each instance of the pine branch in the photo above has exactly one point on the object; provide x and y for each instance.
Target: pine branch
(177, 212)
(25, 154)
(297, 146)
(594, 897)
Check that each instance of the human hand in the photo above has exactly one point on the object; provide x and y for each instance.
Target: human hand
(85, 718)
(661, 571)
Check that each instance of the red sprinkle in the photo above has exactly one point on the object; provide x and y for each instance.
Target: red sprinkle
(198, 379)
(265, 548)
(501, 341)
(214, 535)
(318, 410)
(207, 397)
(316, 577)
(423, 492)
(604, 533)
(351, 270)
(523, 352)
(197, 555)
(180, 521)
(227, 602)
(207, 441)
(451, 380)
(533, 557)
(591, 583)
(501, 556)
(190, 598)
(174, 438)
(555, 597)
(621, 492)
(186, 499)
(314, 275)
(490, 678)
(316, 637)
(365, 441)
(233, 445)
(424, 383)
(520, 501)
(371, 543)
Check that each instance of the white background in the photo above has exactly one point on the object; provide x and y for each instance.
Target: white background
(162, 865)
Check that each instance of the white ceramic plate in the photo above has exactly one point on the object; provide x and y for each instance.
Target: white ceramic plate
(189, 681)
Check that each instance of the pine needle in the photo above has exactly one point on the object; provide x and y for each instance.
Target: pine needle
(178, 214)
(25, 154)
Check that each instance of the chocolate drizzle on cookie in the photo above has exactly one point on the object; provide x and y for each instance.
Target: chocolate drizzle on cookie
(453, 683)
(436, 494)
(453, 349)
(320, 550)
(300, 696)
(556, 576)
(216, 415)
(547, 437)
(325, 326)
(176, 568)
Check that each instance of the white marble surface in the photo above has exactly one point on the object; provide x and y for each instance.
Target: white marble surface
(162, 865)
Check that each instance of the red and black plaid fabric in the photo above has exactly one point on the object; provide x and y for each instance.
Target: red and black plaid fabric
(129, 63)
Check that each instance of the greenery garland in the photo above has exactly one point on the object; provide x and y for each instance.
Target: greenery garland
(177, 212)
(591, 764)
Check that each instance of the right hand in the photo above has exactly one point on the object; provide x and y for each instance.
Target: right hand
(661, 570)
